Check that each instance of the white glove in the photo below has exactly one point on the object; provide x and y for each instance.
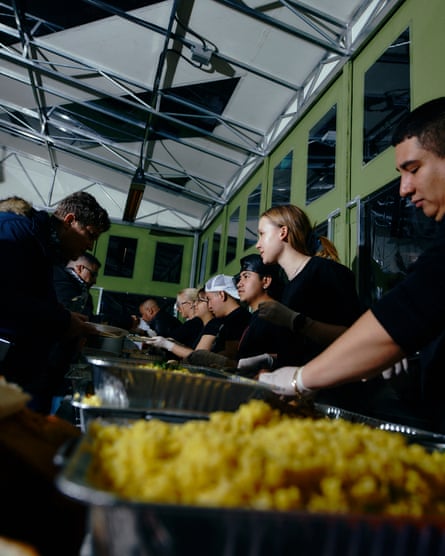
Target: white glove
(280, 380)
(160, 342)
(256, 362)
(398, 368)
(146, 328)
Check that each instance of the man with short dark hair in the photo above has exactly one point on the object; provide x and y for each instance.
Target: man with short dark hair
(31, 318)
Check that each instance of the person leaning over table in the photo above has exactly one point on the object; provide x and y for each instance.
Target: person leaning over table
(411, 316)
(31, 318)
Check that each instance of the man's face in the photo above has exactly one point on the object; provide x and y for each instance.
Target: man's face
(249, 285)
(147, 312)
(75, 238)
(88, 273)
(216, 303)
(422, 177)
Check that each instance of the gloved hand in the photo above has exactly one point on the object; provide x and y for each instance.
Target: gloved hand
(280, 380)
(256, 362)
(277, 313)
(160, 342)
(398, 368)
(144, 326)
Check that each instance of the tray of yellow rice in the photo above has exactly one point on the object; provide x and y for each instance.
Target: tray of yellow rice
(255, 481)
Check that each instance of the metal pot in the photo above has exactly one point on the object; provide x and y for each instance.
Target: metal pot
(110, 338)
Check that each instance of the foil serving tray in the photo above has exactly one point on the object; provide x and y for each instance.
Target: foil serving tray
(180, 530)
(429, 439)
(139, 385)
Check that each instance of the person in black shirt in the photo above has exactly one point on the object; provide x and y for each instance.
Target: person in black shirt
(190, 330)
(158, 319)
(32, 242)
(320, 300)
(259, 283)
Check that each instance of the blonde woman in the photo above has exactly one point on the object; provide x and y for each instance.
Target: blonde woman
(190, 330)
(320, 300)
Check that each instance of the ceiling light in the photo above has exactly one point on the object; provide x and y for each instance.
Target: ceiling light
(201, 54)
(135, 194)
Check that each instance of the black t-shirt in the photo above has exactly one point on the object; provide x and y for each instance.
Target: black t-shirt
(324, 291)
(189, 331)
(231, 328)
(164, 323)
(262, 336)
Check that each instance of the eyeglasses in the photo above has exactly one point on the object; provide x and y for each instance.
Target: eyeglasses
(183, 303)
(93, 273)
(202, 300)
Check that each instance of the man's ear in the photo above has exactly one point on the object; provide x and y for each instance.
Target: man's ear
(69, 218)
(267, 280)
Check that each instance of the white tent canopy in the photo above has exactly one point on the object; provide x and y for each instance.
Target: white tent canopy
(193, 92)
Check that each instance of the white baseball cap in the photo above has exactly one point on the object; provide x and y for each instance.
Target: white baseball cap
(222, 283)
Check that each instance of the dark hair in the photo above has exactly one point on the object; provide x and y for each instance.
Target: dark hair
(86, 209)
(90, 259)
(427, 123)
(301, 234)
(254, 263)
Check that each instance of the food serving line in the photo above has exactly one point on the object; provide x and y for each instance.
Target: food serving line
(131, 389)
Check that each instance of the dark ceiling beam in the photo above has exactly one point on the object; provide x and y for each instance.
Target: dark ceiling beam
(29, 52)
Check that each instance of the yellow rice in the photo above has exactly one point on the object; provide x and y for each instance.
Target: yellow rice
(258, 458)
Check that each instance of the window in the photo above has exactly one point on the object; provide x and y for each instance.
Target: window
(252, 217)
(282, 176)
(232, 236)
(121, 254)
(321, 156)
(394, 233)
(168, 262)
(203, 261)
(387, 96)
(216, 246)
